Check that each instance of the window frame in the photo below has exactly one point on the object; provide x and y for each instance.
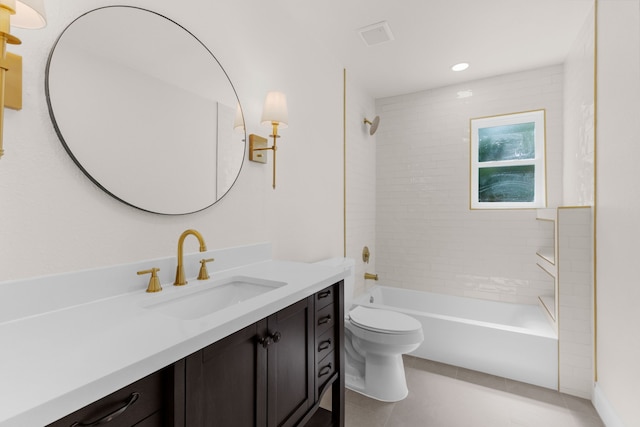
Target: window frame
(538, 118)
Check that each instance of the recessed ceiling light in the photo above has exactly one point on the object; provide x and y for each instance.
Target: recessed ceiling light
(460, 67)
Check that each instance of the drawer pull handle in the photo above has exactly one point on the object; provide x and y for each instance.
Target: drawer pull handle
(324, 345)
(325, 371)
(107, 418)
(325, 319)
(324, 294)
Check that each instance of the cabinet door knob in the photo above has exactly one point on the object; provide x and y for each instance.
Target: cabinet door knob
(270, 339)
(107, 418)
(266, 341)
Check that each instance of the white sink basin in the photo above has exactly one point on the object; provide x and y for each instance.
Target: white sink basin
(207, 297)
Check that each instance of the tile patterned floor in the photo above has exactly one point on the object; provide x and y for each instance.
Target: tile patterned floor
(447, 396)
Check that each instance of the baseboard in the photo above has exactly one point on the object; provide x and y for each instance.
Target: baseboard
(604, 408)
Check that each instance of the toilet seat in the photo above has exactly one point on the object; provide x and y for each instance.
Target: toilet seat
(384, 321)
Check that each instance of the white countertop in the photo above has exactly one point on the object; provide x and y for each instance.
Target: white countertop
(61, 358)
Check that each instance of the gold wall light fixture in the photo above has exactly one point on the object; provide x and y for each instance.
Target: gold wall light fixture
(275, 114)
(26, 14)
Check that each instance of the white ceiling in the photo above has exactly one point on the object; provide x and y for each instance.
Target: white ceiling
(494, 36)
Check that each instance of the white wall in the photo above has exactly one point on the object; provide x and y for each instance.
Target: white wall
(618, 212)
(579, 112)
(53, 219)
(426, 236)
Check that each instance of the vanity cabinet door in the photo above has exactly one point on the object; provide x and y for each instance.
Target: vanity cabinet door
(262, 375)
(265, 375)
(290, 370)
(226, 381)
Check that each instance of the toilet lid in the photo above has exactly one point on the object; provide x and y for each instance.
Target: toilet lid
(386, 321)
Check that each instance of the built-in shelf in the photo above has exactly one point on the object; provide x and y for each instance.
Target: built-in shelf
(548, 268)
(565, 254)
(547, 254)
(546, 259)
(547, 214)
(548, 302)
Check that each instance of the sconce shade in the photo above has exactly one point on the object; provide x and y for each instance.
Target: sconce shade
(29, 14)
(238, 121)
(275, 110)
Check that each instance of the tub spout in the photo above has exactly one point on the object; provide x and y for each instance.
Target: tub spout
(369, 276)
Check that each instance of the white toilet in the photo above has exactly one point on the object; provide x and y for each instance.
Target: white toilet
(375, 341)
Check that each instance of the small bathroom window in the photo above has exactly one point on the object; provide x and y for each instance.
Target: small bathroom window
(508, 161)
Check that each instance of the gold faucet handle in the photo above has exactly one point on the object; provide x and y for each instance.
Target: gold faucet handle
(204, 274)
(154, 282)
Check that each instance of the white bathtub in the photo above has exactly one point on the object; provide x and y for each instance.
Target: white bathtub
(513, 341)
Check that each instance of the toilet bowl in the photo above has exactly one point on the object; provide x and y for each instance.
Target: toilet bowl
(375, 341)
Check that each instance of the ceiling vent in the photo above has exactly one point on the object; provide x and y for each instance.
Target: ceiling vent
(376, 33)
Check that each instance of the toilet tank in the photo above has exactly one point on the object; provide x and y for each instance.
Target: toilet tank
(349, 265)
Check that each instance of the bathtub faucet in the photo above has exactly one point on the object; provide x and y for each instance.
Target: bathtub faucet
(369, 276)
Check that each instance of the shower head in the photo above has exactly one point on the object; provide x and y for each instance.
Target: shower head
(374, 124)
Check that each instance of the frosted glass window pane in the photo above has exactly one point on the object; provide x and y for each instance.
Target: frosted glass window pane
(506, 184)
(508, 142)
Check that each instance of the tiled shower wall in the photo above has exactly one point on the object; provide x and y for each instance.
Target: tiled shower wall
(427, 238)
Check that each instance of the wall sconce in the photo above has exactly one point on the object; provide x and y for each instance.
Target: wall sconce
(274, 113)
(27, 14)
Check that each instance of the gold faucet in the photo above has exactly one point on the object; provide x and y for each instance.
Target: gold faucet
(369, 276)
(180, 279)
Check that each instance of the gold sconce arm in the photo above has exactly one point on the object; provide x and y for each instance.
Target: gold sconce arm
(257, 144)
(274, 113)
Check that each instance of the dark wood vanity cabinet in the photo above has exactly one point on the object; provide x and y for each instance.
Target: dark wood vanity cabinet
(260, 376)
(290, 367)
(223, 384)
(148, 402)
(272, 373)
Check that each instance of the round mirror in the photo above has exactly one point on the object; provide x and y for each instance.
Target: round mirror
(145, 110)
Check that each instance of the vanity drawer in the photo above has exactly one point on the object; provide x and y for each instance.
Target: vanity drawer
(325, 344)
(324, 370)
(127, 406)
(325, 297)
(325, 319)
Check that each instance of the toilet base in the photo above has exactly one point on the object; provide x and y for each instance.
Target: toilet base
(387, 383)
